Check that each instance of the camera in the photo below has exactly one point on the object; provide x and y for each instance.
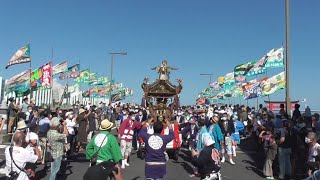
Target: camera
(13, 175)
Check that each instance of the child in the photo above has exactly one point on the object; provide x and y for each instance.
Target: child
(270, 148)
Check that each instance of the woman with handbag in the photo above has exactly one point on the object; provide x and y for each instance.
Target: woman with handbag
(56, 141)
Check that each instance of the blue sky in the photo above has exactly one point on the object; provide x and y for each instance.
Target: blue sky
(207, 36)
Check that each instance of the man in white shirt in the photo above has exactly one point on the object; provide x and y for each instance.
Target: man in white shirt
(17, 156)
(70, 122)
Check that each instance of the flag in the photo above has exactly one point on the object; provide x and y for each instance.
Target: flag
(274, 84)
(85, 75)
(258, 67)
(77, 80)
(22, 93)
(237, 91)
(215, 86)
(60, 68)
(103, 80)
(73, 88)
(221, 80)
(253, 90)
(25, 75)
(242, 69)
(36, 77)
(229, 77)
(92, 76)
(72, 72)
(275, 58)
(95, 83)
(21, 56)
(42, 76)
(46, 75)
(116, 97)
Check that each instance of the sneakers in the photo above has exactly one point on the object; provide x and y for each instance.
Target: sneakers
(231, 162)
(126, 164)
(223, 159)
(123, 166)
(270, 177)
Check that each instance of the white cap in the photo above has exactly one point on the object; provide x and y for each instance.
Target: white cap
(68, 113)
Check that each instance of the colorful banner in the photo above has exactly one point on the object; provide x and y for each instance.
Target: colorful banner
(275, 58)
(93, 76)
(229, 77)
(253, 90)
(42, 77)
(36, 77)
(46, 75)
(258, 67)
(274, 84)
(24, 76)
(60, 68)
(73, 88)
(72, 72)
(221, 80)
(242, 69)
(85, 76)
(237, 91)
(95, 83)
(215, 86)
(21, 56)
(103, 80)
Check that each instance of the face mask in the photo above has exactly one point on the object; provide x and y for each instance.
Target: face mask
(60, 112)
(30, 111)
(140, 113)
(307, 140)
(223, 118)
(133, 118)
(71, 116)
(124, 112)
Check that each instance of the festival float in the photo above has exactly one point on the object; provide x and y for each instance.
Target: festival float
(161, 97)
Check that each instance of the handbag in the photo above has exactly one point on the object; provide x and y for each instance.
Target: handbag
(94, 157)
(47, 154)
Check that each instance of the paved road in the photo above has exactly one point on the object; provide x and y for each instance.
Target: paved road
(244, 169)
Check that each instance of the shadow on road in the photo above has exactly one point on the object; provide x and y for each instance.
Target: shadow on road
(186, 157)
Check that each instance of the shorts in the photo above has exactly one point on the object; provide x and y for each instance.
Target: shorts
(125, 147)
(227, 146)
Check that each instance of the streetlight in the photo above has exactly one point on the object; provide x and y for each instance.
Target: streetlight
(210, 75)
(110, 87)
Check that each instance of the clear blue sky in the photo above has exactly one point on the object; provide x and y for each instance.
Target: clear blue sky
(208, 36)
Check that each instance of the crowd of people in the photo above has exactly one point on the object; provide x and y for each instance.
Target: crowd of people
(212, 133)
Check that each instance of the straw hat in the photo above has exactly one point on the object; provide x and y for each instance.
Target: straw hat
(81, 110)
(21, 125)
(105, 125)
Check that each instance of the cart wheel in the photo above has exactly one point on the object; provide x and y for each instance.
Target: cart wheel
(176, 155)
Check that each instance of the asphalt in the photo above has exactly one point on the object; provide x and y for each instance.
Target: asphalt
(249, 164)
(245, 168)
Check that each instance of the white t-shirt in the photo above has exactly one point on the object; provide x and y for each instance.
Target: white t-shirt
(21, 156)
(70, 126)
(313, 151)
